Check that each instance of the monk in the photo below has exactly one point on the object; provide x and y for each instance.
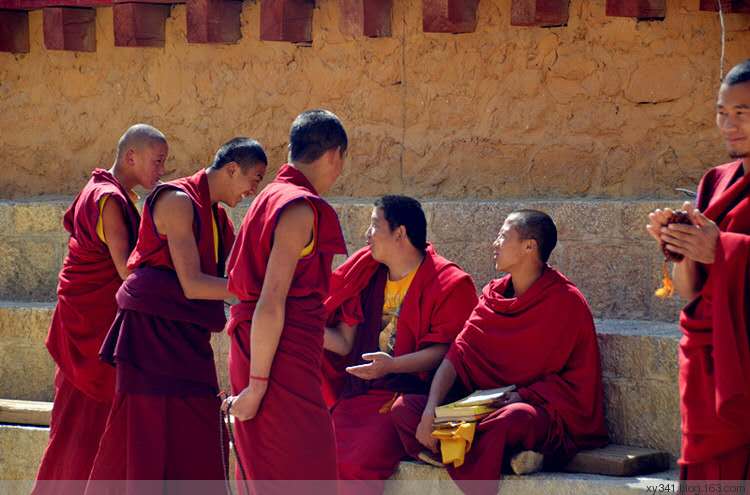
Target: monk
(165, 421)
(280, 271)
(103, 226)
(397, 306)
(714, 354)
(533, 329)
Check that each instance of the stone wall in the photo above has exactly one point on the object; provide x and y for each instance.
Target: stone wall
(603, 107)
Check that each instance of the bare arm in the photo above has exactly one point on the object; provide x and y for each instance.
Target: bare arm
(339, 340)
(426, 359)
(688, 279)
(290, 237)
(382, 363)
(173, 216)
(441, 385)
(116, 234)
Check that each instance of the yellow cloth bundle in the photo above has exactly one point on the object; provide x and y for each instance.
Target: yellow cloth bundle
(455, 441)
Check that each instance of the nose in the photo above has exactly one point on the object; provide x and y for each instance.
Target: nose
(368, 233)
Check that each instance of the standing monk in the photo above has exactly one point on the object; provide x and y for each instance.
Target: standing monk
(280, 270)
(103, 226)
(533, 329)
(165, 423)
(713, 276)
(397, 305)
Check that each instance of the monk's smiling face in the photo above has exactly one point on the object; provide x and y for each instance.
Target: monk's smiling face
(148, 162)
(244, 181)
(733, 118)
(381, 239)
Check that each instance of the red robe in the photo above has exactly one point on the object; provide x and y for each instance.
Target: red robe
(291, 437)
(165, 421)
(438, 302)
(714, 351)
(544, 342)
(84, 312)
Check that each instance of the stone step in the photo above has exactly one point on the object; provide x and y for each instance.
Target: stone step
(639, 366)
(422, 479)
(603, 246)
(21, 448)
(25, 412)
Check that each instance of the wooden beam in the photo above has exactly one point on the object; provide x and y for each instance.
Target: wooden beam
(214, 21)
(641, 9)
(727, 6)
(544, 13)
(139, 24)
(14, 31)
(286, 20)
(40, 4)
(70, 28)
(449, 16)
(366, 17)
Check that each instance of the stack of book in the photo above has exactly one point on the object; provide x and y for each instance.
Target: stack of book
(471, 408)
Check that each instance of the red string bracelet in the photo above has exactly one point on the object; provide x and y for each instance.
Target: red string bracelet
(259, 378)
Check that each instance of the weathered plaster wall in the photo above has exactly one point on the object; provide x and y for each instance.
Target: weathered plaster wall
(602, 107)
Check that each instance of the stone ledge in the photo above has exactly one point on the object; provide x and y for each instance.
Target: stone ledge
(603, 246)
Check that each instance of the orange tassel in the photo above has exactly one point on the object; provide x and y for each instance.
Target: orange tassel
(667, 287)
(386, 408)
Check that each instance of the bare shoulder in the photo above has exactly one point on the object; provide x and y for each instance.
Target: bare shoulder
(172, 208)
(298, 214)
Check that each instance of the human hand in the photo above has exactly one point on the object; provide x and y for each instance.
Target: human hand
(245, 405)
(696, 242)
(658, 219)
(424, 431)
(381, 364)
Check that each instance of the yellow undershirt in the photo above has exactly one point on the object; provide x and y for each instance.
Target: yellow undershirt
(307, 251)
(395, 291)
(215, 229)
(100, 222)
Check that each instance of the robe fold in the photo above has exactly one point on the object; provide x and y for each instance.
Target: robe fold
(714, 350)
(434, 309)
(544, 342)
(291, 437)
(85, 310)
(165, 420)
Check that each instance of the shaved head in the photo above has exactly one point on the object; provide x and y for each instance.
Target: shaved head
(137, 137)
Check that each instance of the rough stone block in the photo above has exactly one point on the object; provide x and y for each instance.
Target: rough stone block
(286, 20)
(29, 266)
(139, 24)
(70, 28)
(21, 449)
(214, 21)
(27, 371)
(14, 31)
(366, 17)
(727, 6)
(449, 16)
(34, 218)
(642, 9)
(545, 13)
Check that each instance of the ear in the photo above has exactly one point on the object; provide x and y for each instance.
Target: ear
(401, 232)
(130, 156)
(232, 168)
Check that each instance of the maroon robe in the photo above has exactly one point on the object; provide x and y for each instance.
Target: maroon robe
(291, 437)
(544, 342)
(165, 420)
(714, 350)
(438, 302)
(85, 309)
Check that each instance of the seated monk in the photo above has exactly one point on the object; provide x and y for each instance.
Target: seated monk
(397, 305)
(103, 226)
(165, 421)
(533, 329)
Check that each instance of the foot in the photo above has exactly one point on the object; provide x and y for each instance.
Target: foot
(527, 462)
(429, 458)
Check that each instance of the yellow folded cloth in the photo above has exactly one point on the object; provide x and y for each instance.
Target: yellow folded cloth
(455, 442)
